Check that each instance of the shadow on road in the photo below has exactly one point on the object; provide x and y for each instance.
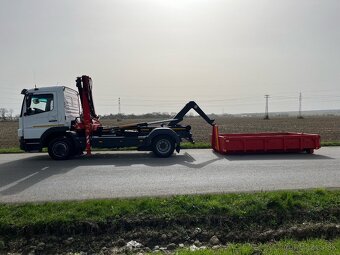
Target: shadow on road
(18, 175)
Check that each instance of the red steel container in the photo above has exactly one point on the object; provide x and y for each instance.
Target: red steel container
(264, 142)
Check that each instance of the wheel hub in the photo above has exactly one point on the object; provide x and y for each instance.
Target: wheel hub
(60, 149)
(163, 146)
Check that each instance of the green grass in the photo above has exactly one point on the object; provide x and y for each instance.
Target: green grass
(10, 150)
(331, 143)
(250, 207)
(202, 145)
(185, 145)
(285, 247)
(197, 145)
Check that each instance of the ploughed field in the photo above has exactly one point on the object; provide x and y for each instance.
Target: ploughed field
(327, 126)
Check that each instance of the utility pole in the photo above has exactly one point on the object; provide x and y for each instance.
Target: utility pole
(266, 114)
(119, 118)
(300, 107)
(119, 106)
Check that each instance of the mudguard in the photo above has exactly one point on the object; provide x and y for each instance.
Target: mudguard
(51, 133)
(162, 131)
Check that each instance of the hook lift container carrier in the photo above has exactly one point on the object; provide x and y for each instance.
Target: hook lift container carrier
(53, 118)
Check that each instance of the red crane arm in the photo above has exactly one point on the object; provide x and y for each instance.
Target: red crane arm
(89, 118)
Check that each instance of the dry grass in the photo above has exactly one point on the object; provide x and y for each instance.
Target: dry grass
(9, 134)
(328, 127)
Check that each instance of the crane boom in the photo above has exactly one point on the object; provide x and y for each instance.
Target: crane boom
(191, 105)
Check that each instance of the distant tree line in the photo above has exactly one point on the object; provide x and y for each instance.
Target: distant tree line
(7, 114)
(154, 115)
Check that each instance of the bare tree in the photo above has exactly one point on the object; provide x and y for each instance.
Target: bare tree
(10, 114)
(3, 112)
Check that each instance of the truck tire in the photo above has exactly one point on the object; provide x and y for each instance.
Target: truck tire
(60, 148)
(163, 146)
(309, 151)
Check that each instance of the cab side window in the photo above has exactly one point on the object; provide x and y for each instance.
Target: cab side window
(39, 103)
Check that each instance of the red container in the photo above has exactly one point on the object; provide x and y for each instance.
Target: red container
(264, 142)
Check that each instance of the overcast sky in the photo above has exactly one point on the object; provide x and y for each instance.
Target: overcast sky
(158, 54)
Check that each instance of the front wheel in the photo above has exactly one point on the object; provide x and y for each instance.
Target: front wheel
(60, 148)
(163, 146)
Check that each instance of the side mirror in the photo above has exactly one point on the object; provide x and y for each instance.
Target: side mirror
(36, 101)
(28, 112)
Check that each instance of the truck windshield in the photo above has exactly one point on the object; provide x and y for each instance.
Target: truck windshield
(39, 103)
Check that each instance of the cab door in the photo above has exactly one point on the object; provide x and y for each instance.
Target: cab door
(40, 114)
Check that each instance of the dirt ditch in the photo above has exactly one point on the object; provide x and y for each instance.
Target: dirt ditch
(148, 233)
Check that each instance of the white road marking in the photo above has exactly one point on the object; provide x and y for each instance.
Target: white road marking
(17, 182)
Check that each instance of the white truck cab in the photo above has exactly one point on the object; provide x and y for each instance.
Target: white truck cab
(45, 109)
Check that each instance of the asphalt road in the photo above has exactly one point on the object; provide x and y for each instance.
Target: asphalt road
(35, 177)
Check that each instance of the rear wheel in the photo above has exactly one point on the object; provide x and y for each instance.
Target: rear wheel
(163, 146)
(60, 148)
(310, 151)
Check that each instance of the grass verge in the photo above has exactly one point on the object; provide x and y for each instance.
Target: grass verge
(185, 145)
(10, 150)
(234, 218)
(331, 143)
(265, 208)
(285, 247)
(202, 145)
(197, 145)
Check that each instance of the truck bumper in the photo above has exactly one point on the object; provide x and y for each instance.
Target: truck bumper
(30, 144)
